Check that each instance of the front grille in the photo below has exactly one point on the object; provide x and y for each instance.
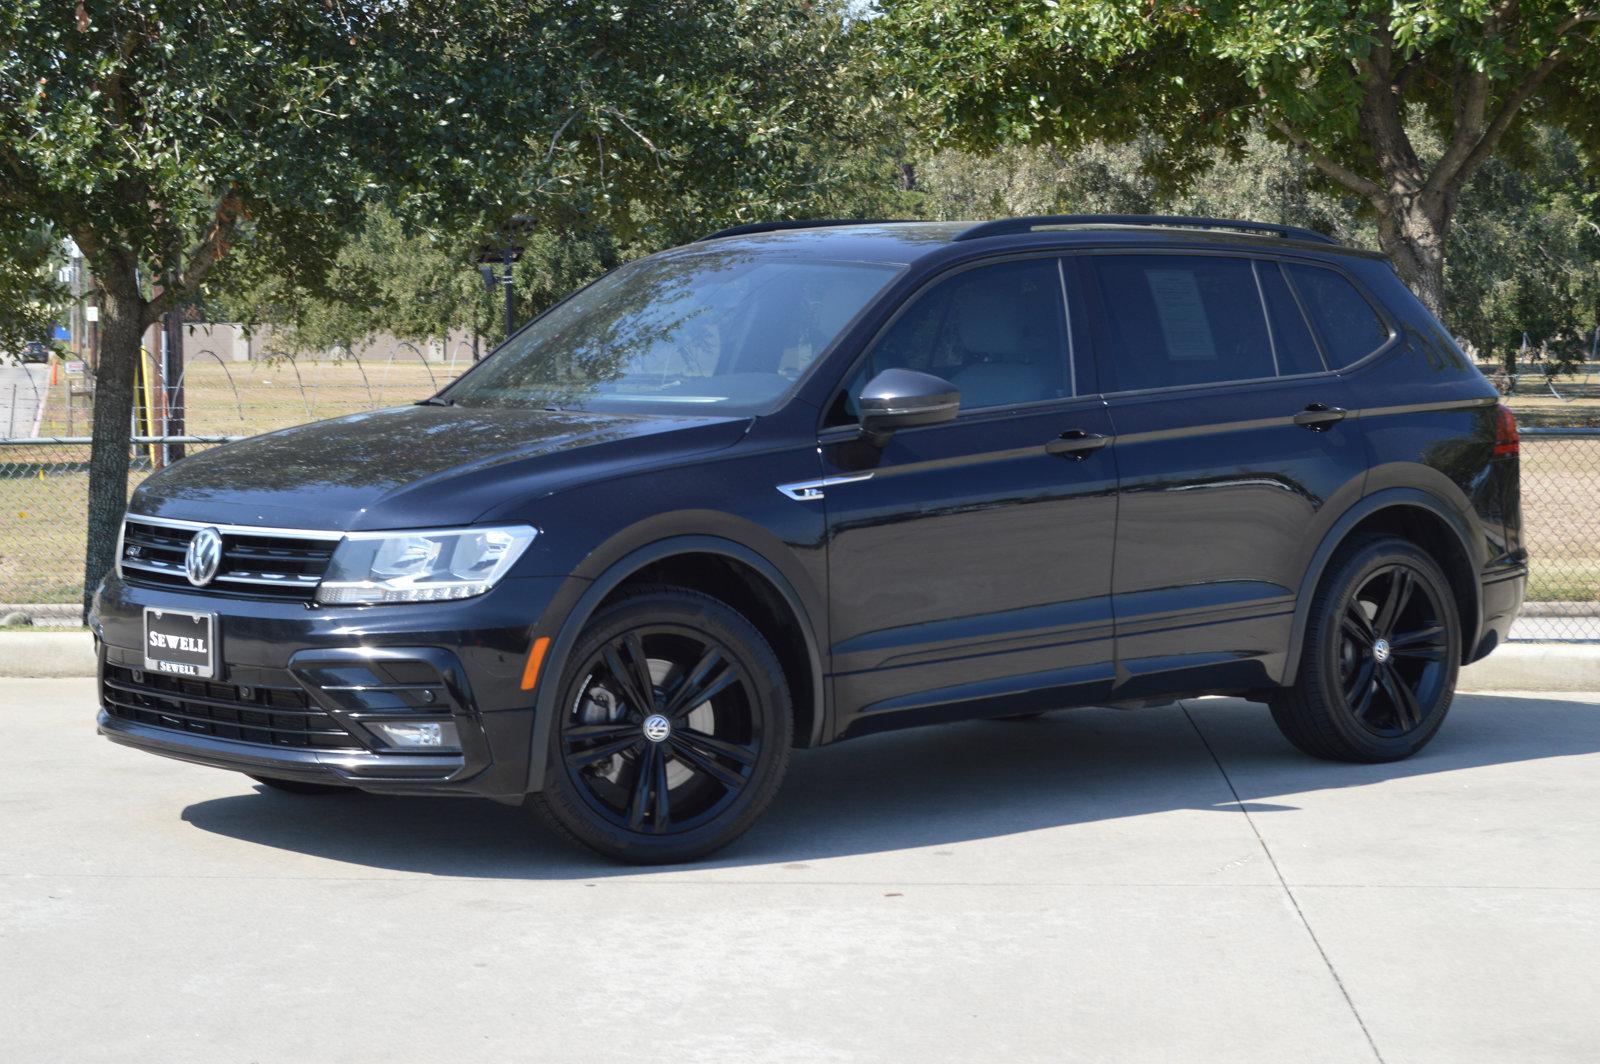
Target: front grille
(266, 564)
(270, 716)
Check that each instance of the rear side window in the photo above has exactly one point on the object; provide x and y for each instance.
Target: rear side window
(1180, 319)
(1349, 328)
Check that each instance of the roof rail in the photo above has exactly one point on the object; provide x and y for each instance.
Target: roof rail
(1023, 225)
(804, 223)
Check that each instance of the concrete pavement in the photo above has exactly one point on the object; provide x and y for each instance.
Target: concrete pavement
(1161, 885)
(22, 390)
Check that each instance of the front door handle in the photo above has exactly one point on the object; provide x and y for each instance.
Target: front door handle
(1318, 418)
(1076, 443)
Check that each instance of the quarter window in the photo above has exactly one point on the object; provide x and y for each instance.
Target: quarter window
(1291, 339)
(1348, 326)
(1180, 319)
(996, 332)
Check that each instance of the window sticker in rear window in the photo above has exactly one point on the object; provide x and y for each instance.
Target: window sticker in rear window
(1183, 315)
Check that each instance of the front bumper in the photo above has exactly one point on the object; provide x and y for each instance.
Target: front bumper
(298, 690)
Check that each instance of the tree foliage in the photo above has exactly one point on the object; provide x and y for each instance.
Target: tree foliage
(161, 135)
(1526, 258)
(1338, 81)
(32, 299)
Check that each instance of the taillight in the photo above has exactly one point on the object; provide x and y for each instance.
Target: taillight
(1507, 443)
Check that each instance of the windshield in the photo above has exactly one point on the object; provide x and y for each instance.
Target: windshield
(723, 332)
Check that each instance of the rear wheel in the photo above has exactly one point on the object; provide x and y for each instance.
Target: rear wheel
(1381, 654)
(673, 731)
(301, 787)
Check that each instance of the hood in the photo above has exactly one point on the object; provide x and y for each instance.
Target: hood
(416, 466)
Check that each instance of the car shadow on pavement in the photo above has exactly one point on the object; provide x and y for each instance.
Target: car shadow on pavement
(925, 787)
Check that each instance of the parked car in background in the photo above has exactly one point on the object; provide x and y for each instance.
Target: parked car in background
(800, 482)
(34, 352)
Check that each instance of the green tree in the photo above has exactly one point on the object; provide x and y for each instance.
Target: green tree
(1338, 81)
(416, 285)
(160, 134)
(32, 299)
(1526, 255)
(1266, 180)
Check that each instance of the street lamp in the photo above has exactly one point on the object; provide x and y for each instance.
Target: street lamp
(504, 251)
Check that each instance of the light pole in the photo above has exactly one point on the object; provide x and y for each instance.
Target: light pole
(504, 250)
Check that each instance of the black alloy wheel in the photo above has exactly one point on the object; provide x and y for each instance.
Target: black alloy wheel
(1381, 655)
(674, 729)
(1392, 651)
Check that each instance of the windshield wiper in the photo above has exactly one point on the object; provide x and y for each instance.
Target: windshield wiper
(435, 400)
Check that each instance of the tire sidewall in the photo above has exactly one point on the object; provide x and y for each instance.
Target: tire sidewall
(770, 702)
(1352, 574)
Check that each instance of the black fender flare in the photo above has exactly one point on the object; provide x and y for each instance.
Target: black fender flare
(577, 616)
(1364, 508)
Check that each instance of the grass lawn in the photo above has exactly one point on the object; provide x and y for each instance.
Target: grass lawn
(246, 398)
(41, 534)
(1561, 517)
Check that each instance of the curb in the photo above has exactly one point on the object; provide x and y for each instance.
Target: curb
(1535, 667)
(46, 655)
(1513, 667)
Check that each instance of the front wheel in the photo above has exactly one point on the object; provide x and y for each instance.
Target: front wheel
(673, 729)
(1381, 653)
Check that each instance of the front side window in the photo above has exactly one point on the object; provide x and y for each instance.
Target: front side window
(1172, 320)
(998, 333)
(698, 331)
(1350, 329)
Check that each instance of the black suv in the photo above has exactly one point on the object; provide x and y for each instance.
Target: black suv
(799, 482)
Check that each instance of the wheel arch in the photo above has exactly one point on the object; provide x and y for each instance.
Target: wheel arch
(1419, 517)
(661, 561)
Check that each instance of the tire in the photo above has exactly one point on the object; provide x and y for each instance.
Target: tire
(301, 787)
(1381, 654)
(723, 749)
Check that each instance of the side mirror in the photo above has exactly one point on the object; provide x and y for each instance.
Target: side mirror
(902, 399)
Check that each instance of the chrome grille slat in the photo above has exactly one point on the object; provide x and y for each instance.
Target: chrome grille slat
(256, 561)
(280, 580)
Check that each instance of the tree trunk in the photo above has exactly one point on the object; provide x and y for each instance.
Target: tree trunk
(1413, 235)
(121, 325)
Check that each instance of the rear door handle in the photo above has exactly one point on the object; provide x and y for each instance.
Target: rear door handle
(1317, 417)
(1076, 443)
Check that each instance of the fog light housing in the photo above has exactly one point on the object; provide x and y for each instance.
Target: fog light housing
(418, 735)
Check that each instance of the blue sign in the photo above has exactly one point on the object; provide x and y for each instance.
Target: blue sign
(61, 334)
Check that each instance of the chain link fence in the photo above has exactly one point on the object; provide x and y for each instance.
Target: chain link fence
(44, 492)
(47, 418)
(44, 486)
(1561, 529)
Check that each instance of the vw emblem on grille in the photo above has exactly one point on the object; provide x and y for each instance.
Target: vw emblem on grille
(204, 557)
(657, 728)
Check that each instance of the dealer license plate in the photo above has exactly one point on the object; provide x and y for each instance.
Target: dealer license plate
(179, 643)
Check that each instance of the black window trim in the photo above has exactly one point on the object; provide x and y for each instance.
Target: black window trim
(825, 430)
(1266, 319)
(1242, 253)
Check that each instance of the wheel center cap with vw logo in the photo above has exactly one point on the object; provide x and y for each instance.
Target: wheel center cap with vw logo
(657, 728)
(204, 557)
(1381, 651)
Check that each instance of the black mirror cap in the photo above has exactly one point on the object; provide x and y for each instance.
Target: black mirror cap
(904, 398)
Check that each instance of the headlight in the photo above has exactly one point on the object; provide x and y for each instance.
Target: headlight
(420, 566)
